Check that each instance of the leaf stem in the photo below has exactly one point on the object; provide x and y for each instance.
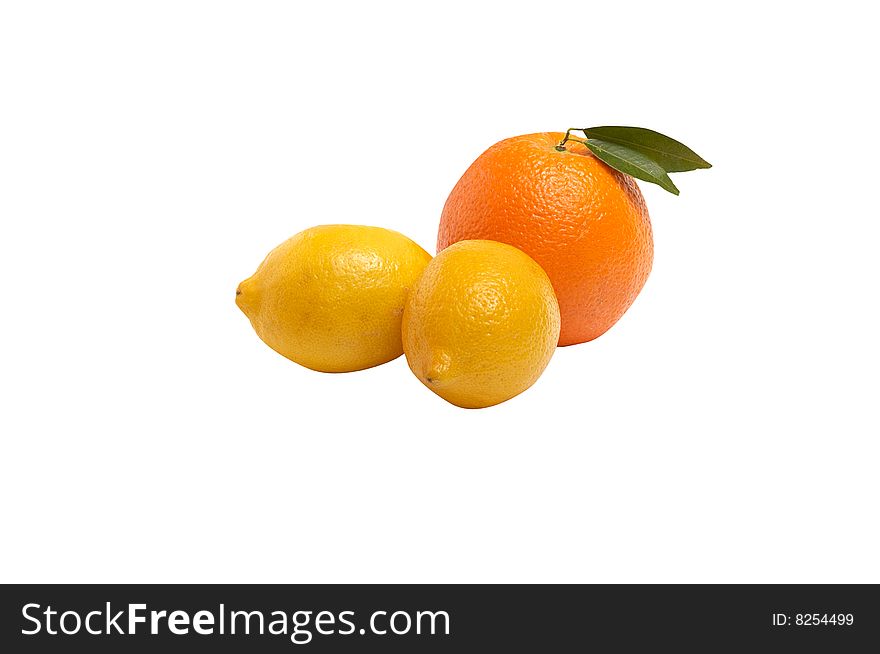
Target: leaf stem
(561, 146)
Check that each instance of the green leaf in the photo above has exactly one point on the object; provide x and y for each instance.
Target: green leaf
(672, 156)
(631, 162)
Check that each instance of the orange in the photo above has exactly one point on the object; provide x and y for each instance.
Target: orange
(586, 224)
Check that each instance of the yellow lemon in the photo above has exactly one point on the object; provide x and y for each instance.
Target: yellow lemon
(481, 323)
(331, 298)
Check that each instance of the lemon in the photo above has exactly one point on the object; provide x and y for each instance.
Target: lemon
(481, 323)
(331, 298)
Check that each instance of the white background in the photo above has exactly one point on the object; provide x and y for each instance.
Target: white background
(152, 153)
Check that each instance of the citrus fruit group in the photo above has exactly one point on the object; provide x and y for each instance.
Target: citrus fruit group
(586, 224)
(331, 298)
(481, 323)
